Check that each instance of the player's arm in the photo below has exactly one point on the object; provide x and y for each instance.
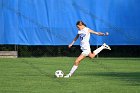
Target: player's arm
(70, 45)
(98, 33)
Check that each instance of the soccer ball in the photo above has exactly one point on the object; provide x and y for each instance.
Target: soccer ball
(59, 73)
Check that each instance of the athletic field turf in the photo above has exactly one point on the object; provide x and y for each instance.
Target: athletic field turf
(102, 75)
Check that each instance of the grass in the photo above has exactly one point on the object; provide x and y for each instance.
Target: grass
(102, 75)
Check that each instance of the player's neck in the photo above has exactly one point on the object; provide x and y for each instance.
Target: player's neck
(82, 27)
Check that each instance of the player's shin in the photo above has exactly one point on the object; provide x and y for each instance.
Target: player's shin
(98, 50)
(73, 69)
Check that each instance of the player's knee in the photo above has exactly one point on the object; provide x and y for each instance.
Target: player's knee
(91, 57)
(76, 62)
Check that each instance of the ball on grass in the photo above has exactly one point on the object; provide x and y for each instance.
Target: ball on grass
(59, 73)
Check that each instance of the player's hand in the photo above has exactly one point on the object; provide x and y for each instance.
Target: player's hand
(106, 33)
(70, 46)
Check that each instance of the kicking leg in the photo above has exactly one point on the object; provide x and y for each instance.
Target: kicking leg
(92, 55)
(98, 50)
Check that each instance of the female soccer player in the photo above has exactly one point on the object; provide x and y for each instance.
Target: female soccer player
(84, 34)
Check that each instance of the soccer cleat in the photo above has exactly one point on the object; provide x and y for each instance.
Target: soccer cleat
(106, 46)
(67, 76)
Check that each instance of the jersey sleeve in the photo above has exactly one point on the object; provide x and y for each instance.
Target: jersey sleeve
(79, 32)
(87, 29)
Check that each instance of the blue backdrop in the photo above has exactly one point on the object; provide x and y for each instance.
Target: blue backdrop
(52, 22)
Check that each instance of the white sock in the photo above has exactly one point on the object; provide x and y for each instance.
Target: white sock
(73, 69)
(98, 50)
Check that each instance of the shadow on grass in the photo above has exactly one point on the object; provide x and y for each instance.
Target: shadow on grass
(131, 78)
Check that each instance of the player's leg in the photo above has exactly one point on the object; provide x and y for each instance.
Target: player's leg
(75, 66)
(77, 61)
(98, 50)
(92, 55)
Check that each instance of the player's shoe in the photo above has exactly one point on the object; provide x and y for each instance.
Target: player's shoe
(67, 76)
(106, 46)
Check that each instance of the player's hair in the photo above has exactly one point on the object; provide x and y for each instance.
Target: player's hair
(80, 23)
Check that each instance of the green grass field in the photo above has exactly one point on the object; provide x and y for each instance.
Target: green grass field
(102, 75)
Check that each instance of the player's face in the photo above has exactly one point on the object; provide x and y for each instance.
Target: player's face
(80, 27)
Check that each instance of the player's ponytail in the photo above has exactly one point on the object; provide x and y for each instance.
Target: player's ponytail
(80, 23)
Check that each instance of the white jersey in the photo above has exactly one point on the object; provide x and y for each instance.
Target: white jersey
(84, 37)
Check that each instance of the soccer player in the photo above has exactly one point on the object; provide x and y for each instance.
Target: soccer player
(84, 34)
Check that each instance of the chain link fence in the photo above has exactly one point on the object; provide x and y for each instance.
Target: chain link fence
(64, 51)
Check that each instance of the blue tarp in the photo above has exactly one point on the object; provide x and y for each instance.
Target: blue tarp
(52, 22)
